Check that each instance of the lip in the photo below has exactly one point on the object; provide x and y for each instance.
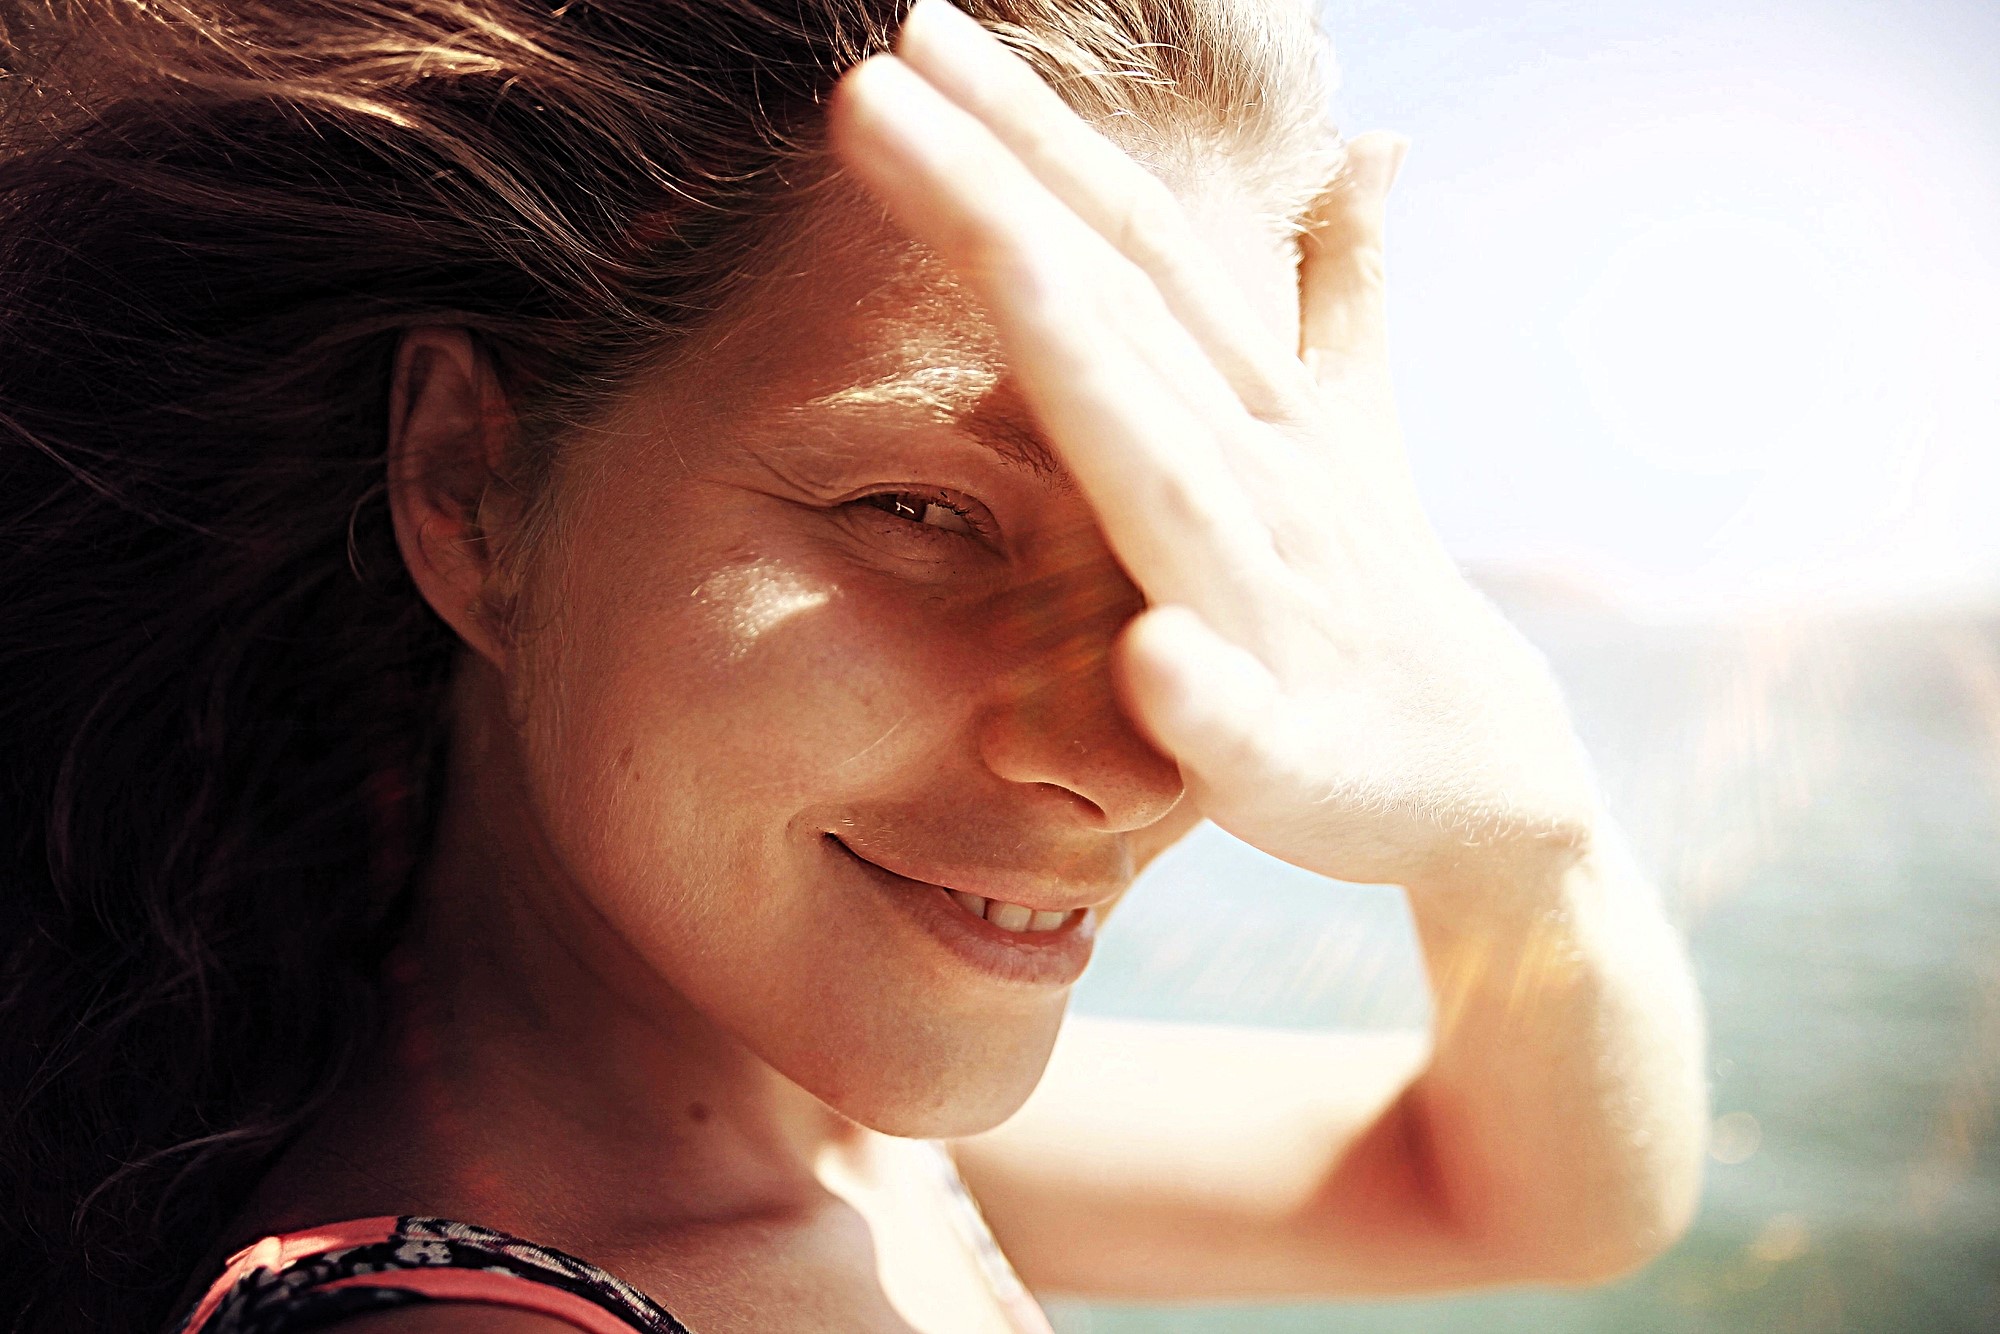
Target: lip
(1031, 889)
(1031, 958)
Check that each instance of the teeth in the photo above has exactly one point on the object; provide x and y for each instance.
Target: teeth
(1009, 916)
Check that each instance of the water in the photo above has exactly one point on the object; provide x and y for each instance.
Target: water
(1822, 802)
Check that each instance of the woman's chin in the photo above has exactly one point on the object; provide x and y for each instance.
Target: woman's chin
(937, 1099)
(952, 1118)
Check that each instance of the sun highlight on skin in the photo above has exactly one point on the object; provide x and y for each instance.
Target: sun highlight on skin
(753, 600)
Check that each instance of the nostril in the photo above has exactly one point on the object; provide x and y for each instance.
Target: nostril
(1096, 812)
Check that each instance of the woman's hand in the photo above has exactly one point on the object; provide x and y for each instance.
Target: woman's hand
(1332, 689)
(1335, 694)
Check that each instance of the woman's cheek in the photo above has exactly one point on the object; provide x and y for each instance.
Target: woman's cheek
(737, 695)
(826, 686)
(744, 603)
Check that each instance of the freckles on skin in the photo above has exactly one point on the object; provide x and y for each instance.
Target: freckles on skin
(736, 664)
(746, 602)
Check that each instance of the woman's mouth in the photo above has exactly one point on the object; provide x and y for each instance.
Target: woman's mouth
(1013, 941)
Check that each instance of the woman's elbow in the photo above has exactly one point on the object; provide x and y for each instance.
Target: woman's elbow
(1602, 1249)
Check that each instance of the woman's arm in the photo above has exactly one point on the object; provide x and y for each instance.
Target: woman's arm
(1549, 1132)
(1335, 694)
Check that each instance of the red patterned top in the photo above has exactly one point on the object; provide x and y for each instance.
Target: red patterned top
(311, 1279)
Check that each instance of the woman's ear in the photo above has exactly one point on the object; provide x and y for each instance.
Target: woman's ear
(451, 433)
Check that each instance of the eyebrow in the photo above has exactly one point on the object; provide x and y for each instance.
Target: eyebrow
(988, 409)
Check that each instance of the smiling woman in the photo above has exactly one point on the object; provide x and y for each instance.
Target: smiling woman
(602, 601)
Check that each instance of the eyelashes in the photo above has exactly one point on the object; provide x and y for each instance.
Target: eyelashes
(929, 515)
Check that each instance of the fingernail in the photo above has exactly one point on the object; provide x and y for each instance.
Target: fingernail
(953, 32)
(944, 14)
(1373, 159)
(893, 90)
(1397, 154)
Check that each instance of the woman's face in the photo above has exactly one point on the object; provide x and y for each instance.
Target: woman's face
(821, 633)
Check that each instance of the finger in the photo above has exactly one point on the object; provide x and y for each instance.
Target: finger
(1342, 311)
(1085, 332)
(1121, 200)
(1206, 702)
(947, 178)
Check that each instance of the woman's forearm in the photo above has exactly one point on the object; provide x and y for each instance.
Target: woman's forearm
(1564, 1109)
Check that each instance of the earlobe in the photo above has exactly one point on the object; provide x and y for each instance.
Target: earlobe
(449, 438)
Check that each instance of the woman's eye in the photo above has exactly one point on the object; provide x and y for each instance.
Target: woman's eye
(934, 511)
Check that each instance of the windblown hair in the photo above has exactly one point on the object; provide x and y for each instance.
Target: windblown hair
(220, 694)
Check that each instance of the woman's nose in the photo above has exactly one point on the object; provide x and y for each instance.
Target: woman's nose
(1055, 718)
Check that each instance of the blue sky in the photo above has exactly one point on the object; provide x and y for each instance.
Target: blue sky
(1698, 304)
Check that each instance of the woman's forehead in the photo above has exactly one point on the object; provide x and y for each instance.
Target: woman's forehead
(845, 317)
(906, 301)
(853, 317)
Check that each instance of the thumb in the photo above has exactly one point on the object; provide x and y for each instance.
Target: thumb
(1342, 297)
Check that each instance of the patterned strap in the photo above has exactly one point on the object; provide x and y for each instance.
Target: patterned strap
(1022, 1309)
(305, 1280)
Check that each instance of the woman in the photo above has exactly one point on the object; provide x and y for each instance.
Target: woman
(602, 599)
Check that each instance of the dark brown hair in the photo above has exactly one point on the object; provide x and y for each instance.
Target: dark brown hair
(219, 692)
